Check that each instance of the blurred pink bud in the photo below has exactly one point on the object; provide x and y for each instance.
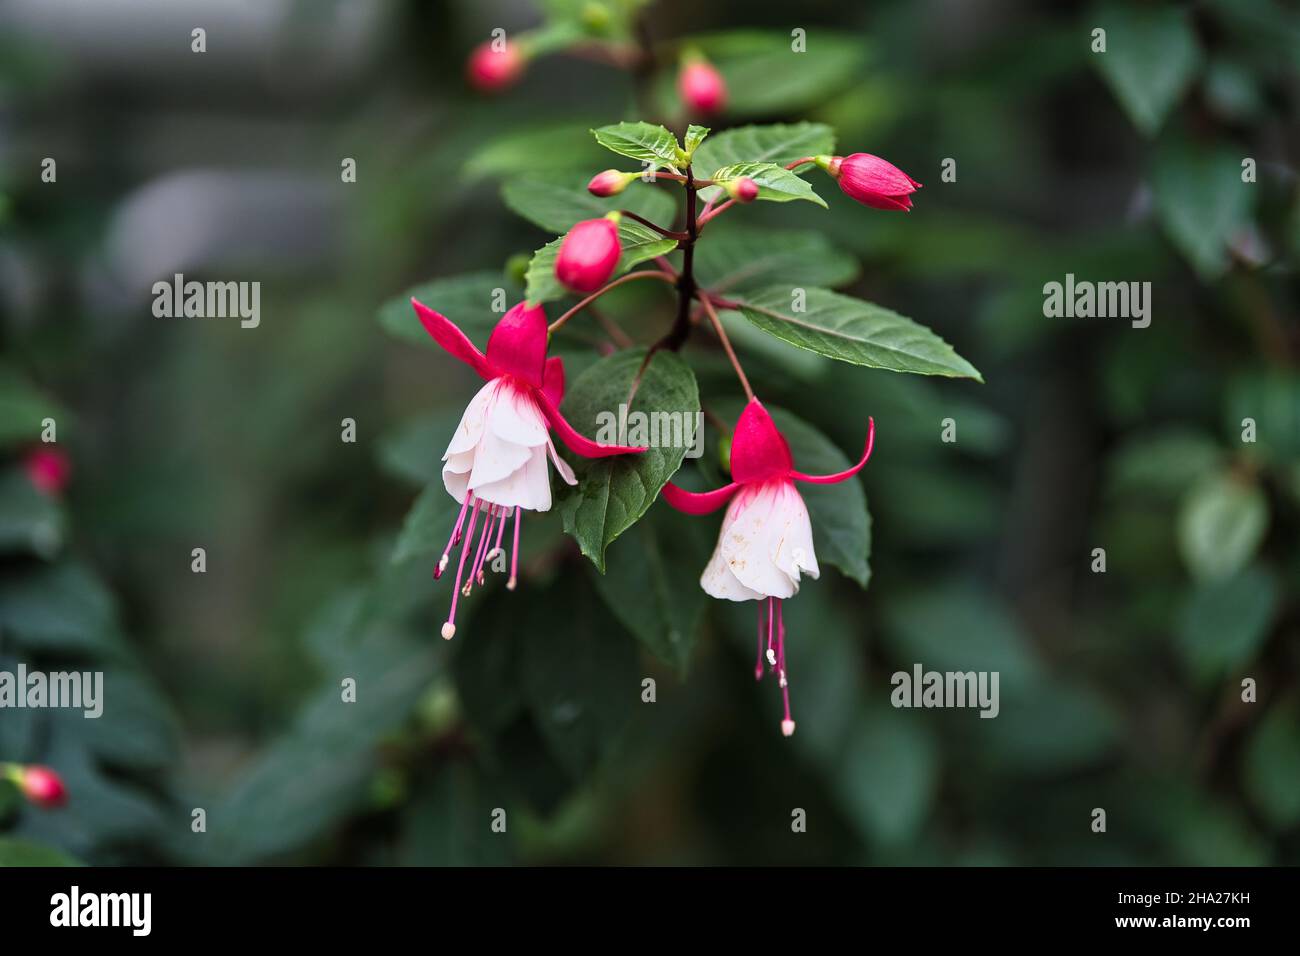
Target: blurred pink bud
(872, 181)
(48, 469)
(491, 68)
(701, 87)
(43, 787)
(609, 183)
(588, 255)
(742, 190)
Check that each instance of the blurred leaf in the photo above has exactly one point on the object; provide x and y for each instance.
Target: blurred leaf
(779, 143)
(1225, 620)
(467, 300)
(26, 853)
(449, 822)
(775, 183)
(137, 729)
(1164, 462)
(1049, 729)
(1270, 398)
(29, 520)
(565, 145)
(613, 492)
(412, 451)
(60, 608)
(556, 201)
(652, 584)
(1272, 765)
(22, 408)
(1203, 204)
(742, 258)
(643, 142)
(1151, 58)
(639, 244)
(851, 330)
(1221, 524)
(888, 776)
(428, 524)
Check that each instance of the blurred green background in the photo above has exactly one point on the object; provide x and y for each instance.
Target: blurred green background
(1120, 690)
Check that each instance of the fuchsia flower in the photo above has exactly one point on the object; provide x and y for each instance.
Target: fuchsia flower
(588, 254)
(490, 69)
(701, 86)
(496, 462)
(42, 787)
(871, 180)
(48, 469)
(766, 539)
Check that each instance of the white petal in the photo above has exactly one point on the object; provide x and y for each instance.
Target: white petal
(561, 465)
(495, 458)
(718, 581)
(472, 423)
(516, 418)
(527, 487)
(766, 539)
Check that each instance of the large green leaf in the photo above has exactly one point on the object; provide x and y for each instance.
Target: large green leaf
(22, 408)
(779, 143)
(613, 492)
(427, 525)
(471, 301)
(556, 201)
(853, 331)
(639, 244)
(29, 520)
(1225, 621)
(737, 258)
(652, 583)
(1202, 204)
(643, 142)
(1221, 524)
(775, 183)
(888, 776)
(533, 149)
(1272, 764)
(1151, 58)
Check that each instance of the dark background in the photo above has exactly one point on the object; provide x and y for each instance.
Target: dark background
(1119, 690)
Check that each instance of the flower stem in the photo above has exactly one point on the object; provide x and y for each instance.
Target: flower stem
(676, 336)
(630, 277)
(670, 234)
(726, 345)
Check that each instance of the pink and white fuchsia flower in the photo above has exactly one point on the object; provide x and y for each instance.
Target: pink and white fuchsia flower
(766, 543)
(495, 465)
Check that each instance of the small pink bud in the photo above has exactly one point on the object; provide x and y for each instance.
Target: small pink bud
(588, 255)
(742, 190)
(48, 469)
(701, 87)
(492, 67)
(43, 787)
(872, 181)
(609, 183)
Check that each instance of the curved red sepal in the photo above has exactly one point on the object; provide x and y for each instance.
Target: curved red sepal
(832, 479)
(553, 380)
(698, 502)
(758, 450)
(452, 339)
(517, 346)
(573, 438)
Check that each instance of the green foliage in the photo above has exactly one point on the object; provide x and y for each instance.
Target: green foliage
(1151, 58)
(554, 202)
(775, 183)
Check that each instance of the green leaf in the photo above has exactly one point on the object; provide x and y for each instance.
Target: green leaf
(1272, 765)
(27, 853)
(639, 244)
(556, 201)
(614, 492)
(427, 525)
(744, 258)
(775, 183)
(469, 300)
(29, 520)
(1221, 525)
(444, 824)
(694, 136)
(1225, 621)
(534, 149)
(644, 142)
(888, 777)
(853, 331)
(1271, 399)
(59, 608)
(1151, 58)
(22, 408)
(652, 583)
(412, 451)
(780, 144)
(1202, 203)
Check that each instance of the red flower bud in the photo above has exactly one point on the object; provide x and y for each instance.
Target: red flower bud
(588, 255)
(43, 787)
(701, 87)
(873, 181)
(742, 190)
(609, 183)
(491, 69)
(48, 469)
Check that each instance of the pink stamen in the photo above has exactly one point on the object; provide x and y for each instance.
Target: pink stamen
(449, 628)
(771, 657)
(514, 553)
(787, 724)
(478, 552)
(758, 660)
(451, 541)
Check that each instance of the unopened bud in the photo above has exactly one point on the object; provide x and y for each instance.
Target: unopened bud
(743, 189)
(610, 183)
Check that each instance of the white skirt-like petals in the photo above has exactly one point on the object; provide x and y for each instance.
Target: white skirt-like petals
(500, 449)
(764, 546)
